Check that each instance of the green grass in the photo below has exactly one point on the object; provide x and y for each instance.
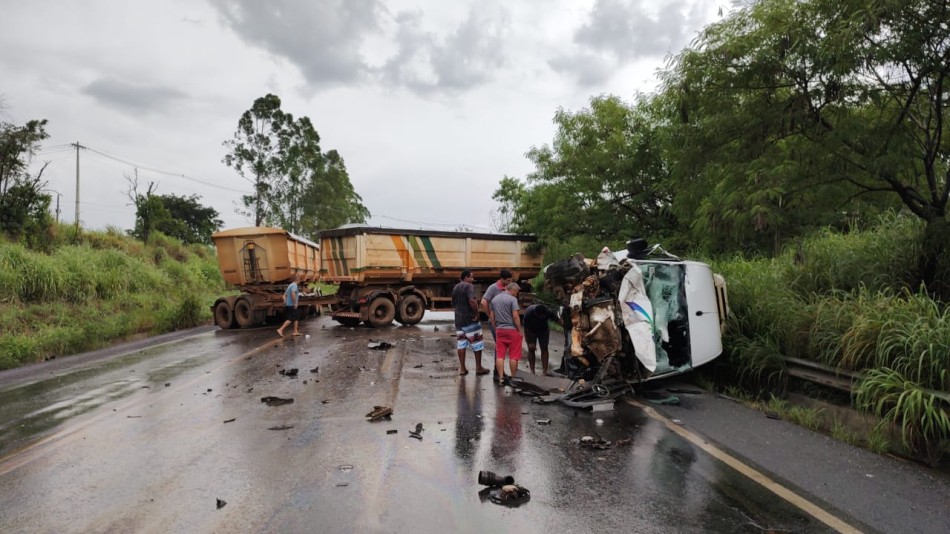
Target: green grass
(85, 293)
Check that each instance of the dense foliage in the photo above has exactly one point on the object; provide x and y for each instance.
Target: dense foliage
(24, 204)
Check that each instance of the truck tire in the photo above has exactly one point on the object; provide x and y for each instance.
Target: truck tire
(411, 310)
(224, 315)
(382, 311)
(245, 314)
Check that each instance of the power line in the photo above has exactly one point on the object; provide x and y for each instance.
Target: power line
(167, 173)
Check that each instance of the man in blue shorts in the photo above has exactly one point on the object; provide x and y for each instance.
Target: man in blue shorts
(467, 327)
(291, 312)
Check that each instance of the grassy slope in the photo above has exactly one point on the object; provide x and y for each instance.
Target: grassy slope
(105, 287)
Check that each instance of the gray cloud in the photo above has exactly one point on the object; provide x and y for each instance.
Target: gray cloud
(132, 96)
(322, 38)
(588, 70)
(623, 31)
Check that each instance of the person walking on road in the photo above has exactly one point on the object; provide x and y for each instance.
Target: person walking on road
(538, 332)
(505, 318)
(468, 329)
(291, 300)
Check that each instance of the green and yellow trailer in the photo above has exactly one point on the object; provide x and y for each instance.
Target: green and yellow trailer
(387, 274)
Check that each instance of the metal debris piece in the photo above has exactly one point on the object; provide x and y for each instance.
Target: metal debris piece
(342, 484)
(289, 372)
(281, 427)
(591, 442)
(380, 345)
(391, 431)
(276, 401)
(417, 433)
(419, 366)
(510, 495)
(544, 421)
(678, 421)
(221, 503)
(346, 468)
(315, 370)
(231, 420)
(379, 412)
(773, 415)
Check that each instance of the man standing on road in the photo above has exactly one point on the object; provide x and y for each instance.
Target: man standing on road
(467, 327)
(493, 291)
(505, 318)
(538, 332)
(291, 300)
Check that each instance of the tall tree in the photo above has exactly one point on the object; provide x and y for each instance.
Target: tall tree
(297, 186)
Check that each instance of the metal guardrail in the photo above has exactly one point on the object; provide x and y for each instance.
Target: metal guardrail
(835, 378)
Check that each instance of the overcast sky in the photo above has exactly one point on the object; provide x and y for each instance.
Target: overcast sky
(430, 102)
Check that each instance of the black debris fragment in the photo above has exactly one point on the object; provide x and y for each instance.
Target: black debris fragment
(167, 384)
(276, 401)
(773, 415)
(231, 420)
(315, 370)
(417, 433)
(379, 345)
(281, 427)
(324, 401)
(544, 421)
(379, 413)
(221, 503)
(591, 442)
(391, 431)
(419, 366)
(289, 372)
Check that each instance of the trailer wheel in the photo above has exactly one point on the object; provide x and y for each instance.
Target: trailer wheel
(411, 310)
(244, 313)
(382, 311)
(224, 315)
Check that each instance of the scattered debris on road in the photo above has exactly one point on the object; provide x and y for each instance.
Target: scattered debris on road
(591, 442)
(391, 431)
(276, 401)
(315, 370)
(417, 433)
(380, 345)
(221, 503)
(231, 420)
(488, 478)
(281, 427)
(544, 421)
(510, 495)
(379, 413)
(289, 372)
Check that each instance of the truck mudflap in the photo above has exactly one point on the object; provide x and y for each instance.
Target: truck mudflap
(347, 318)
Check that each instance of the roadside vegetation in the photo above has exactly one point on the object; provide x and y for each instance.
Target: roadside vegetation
(88, 291)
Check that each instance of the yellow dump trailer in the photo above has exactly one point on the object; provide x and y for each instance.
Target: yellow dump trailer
(386, 273)
(262, 262)
(261, 255)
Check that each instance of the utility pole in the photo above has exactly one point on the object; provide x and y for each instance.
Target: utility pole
(78, 146)
(57, 206)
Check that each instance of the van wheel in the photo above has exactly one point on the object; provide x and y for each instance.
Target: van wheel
(411, 310)
(224, 315)
(244, 314)
(382, 311)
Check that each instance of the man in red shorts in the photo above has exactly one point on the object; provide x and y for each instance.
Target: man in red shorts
(505, 317)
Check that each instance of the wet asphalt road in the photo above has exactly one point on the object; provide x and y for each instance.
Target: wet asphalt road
(141, 442)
